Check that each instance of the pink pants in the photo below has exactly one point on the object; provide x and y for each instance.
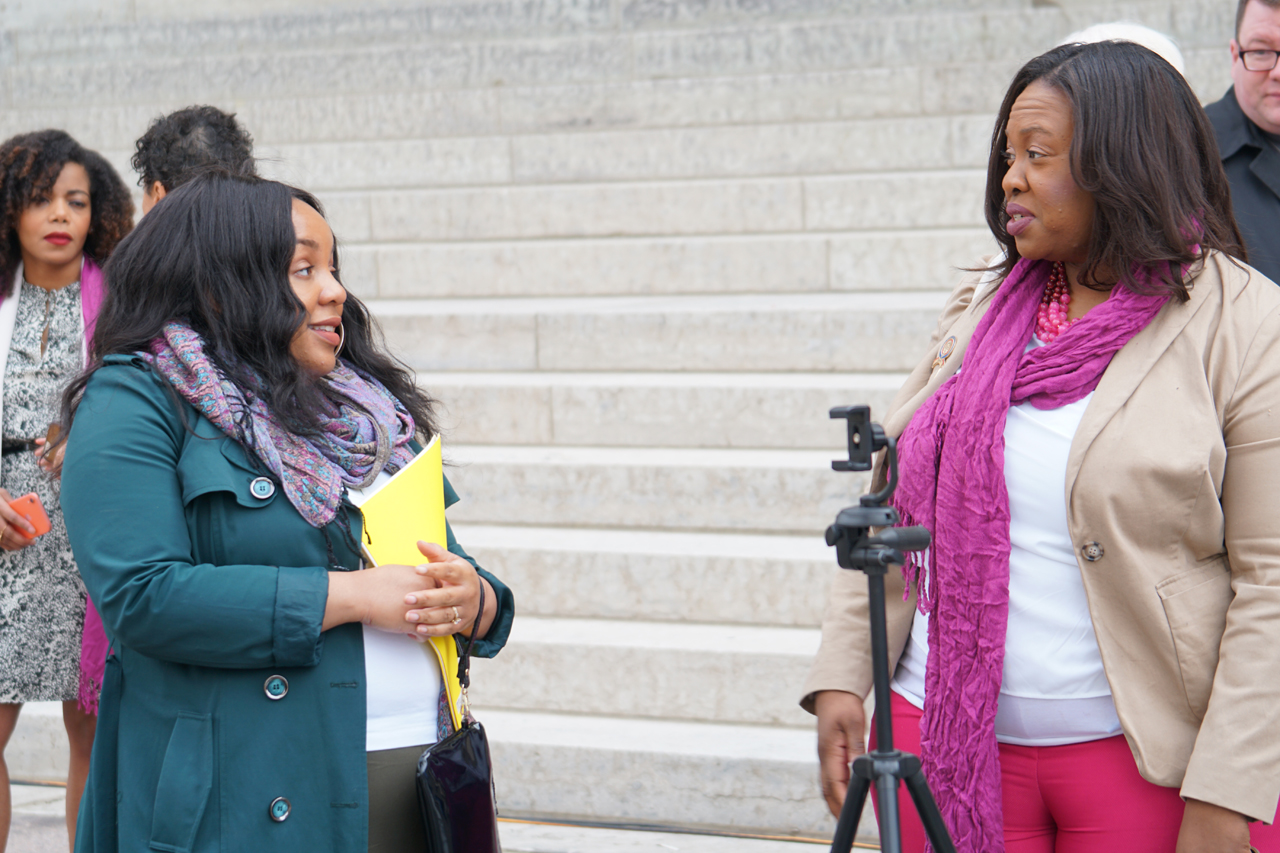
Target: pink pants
(1078, 798)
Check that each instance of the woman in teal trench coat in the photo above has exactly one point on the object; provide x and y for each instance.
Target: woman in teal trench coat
(215, 592)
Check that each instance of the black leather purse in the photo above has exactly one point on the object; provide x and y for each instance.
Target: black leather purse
(455, 779)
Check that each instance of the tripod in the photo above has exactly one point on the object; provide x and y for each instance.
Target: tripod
(857, 549)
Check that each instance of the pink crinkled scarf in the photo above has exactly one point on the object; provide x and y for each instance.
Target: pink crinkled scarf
(952, 469)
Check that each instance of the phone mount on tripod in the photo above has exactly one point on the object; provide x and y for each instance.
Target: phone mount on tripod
(857, 548)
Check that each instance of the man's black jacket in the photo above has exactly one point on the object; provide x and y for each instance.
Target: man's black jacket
(1253, 168)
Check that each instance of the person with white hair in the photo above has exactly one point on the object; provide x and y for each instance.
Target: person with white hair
(1153, 40)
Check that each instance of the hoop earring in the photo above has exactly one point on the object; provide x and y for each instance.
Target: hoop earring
(342, 339)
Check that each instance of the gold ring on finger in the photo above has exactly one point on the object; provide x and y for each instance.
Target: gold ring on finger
(457, 617)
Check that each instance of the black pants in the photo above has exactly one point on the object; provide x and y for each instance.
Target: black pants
(395, 821)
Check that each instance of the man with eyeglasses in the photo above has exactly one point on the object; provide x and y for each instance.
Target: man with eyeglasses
(1247, 122)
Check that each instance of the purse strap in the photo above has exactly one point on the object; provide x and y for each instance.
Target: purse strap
(464, 658)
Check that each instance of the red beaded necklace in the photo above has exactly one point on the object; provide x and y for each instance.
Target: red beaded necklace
(1051, 316)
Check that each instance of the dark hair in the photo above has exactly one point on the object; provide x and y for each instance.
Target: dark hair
(1270, 4)
(30, 164)
(1143, 148)
(181, 145)
(216, 256)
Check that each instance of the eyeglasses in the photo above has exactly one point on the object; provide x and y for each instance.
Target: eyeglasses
(1259, 60)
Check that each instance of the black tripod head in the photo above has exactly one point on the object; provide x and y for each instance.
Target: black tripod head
(855, 548)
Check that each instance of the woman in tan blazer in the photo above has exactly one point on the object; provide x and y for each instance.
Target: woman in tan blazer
(1095, 663)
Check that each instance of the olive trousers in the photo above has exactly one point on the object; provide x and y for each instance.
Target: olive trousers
(395, 820)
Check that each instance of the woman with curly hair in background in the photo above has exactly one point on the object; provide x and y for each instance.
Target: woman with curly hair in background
(63, 209)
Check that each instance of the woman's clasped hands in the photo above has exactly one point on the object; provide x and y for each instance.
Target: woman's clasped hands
(451, 599)
(435, 598)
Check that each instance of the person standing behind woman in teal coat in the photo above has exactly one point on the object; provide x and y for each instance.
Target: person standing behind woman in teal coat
(63, 210)
(262, 693)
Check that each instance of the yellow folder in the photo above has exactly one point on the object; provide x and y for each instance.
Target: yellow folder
(408, 507)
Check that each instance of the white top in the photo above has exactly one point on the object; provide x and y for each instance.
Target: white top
(1053, 689)
(403, 682)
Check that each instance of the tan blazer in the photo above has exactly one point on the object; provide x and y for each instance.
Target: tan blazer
(1173, 501)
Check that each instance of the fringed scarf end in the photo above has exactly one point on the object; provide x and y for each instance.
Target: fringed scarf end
(915, 568)
(87, 694)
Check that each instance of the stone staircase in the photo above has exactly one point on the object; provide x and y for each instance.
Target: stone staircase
(637, 248)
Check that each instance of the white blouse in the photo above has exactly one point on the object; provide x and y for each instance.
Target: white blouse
(1053, 690)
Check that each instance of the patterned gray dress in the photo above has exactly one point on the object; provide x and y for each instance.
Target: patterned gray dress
(42, 598)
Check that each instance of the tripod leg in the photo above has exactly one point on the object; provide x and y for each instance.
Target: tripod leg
(890, 826)
(850, 814)
(926, 807)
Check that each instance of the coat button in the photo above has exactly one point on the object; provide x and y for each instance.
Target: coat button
(276, 687)
(1092, 551)
(279, 809)
(262, 488)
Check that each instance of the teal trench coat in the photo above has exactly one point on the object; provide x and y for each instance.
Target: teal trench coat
(208, 592)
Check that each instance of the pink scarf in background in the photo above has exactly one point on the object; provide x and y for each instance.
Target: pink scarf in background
(93, 642)
(952, 481)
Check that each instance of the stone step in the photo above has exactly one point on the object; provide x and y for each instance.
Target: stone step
(38, 827)
(977, 88)
(747, 778)
(754, 778)
(890, 201)
(761, 778)
(740, 578)
(698, 672)
(829, 147)
(220, 71)
(173, 28)
(519, 836)
(893, 201)
(103, 62)
(758, 491)
(204, 63)
(748, 410)
(310, 119)
(517, 108)
(913, 37)
(899, 260)
(304, 121)
(177, 28)
(792, 332)
(795, 148)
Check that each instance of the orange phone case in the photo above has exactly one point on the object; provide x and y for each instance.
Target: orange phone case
(29, 507)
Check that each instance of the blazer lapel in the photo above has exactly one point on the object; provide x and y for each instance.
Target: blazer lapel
(927, 380)
(1126, 372)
